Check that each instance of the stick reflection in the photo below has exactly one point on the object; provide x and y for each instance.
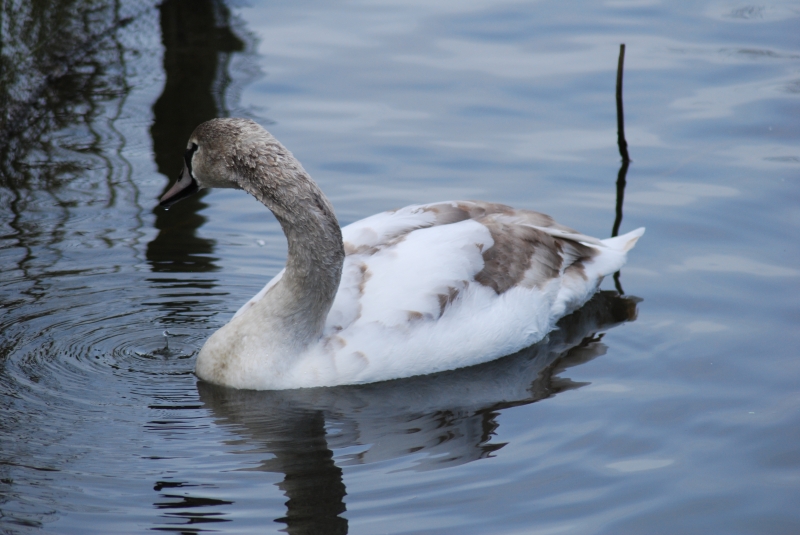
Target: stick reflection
(622, 143)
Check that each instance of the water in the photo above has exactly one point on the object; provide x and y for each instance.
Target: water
(672, 409)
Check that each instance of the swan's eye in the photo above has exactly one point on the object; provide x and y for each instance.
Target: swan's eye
(187, 157)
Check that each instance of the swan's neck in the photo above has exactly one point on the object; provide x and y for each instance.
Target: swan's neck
(298, 305)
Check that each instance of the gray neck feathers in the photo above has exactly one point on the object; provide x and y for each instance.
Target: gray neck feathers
(304, 295)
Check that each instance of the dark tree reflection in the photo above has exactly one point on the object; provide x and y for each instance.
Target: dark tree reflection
(63, 86)
(60, 60)
(313, 483)
(197, 40)
(63, 82)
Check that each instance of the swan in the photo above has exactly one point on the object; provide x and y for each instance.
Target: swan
(407, 292)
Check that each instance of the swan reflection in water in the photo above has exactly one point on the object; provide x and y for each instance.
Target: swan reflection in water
(444, 420)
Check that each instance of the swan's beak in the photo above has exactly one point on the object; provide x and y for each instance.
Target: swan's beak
(184, 187)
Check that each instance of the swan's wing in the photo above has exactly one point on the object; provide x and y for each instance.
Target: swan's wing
(455, 273)
(386, 228)
(407, 276)
(413, 263)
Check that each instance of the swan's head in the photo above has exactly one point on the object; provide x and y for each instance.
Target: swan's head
(216, 154)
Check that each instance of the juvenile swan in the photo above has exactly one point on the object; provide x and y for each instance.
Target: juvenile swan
(412, 291)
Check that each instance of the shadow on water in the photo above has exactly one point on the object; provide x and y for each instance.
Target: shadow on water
(197, 42)
(441, 420)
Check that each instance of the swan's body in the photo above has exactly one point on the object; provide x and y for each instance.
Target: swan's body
(414, 291)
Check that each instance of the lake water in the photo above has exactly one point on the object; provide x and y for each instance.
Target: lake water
(674, 408)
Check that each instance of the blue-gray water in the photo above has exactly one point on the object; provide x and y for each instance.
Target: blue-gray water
(675, 409)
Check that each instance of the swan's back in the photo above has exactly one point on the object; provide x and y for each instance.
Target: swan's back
(440, 286)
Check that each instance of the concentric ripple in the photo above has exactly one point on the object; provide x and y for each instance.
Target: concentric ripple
(79, 384)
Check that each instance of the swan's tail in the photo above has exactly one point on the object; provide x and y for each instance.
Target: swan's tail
(624, 243)
(613, 253)
(609, 258)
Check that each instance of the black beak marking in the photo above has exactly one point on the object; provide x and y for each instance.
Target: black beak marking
(186, 185)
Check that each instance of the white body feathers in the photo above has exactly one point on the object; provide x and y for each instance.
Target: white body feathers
(413, 306)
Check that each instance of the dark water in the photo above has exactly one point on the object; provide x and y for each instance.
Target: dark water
(674, 411)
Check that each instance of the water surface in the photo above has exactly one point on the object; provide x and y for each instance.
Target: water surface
(673, 408)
